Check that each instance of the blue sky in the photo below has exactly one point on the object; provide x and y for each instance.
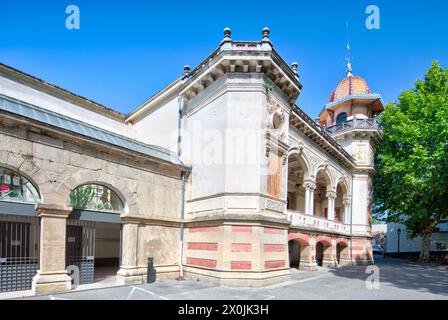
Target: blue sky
(125, 51)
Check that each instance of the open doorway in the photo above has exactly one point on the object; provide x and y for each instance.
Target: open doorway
(107, 251)
(94, 235)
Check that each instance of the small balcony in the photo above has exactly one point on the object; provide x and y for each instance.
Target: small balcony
(355, 123)
(299, 219)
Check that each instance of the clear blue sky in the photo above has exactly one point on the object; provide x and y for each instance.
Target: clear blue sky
(126, 51)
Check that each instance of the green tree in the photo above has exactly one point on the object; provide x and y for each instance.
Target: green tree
(81, 197)
(411, 185)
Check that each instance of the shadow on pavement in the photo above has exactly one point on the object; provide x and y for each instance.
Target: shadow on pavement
(403, 274)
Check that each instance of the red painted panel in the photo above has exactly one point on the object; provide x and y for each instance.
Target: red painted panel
(273, 230)
(241, 265)
(208, 263)
(241, 247)
(274, 264)
(246, 229)
(274, 247)
(202, 246)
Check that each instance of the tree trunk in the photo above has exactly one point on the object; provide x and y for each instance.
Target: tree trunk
(426, 248)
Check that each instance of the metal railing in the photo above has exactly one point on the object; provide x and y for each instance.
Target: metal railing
(355, 123)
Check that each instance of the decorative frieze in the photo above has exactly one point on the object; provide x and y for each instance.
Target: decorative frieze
(275, 205)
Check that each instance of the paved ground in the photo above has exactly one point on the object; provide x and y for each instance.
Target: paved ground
(398, 280)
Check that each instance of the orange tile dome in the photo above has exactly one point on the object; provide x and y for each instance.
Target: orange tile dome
(351, 85)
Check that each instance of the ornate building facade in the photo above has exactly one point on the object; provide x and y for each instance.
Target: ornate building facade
(219, 177)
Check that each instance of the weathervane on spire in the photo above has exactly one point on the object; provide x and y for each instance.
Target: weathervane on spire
(349, 65)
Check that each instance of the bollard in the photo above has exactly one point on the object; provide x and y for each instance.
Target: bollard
(150, 271)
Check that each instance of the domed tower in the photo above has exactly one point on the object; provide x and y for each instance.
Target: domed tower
(350, 117)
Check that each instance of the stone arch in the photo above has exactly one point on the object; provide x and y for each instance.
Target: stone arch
(324, 190)
(301, 251)
(30, 172)
(27, 168)
(343, 241)
(342, 251)
(342, 201)
(89, 177)
(298, 171)
(323, 170)
(325, 251)
(343, 181)
(302, 158)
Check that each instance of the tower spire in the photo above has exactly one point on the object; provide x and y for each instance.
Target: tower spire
(349, 65)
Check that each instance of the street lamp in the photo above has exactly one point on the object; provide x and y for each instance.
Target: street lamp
(398, 233)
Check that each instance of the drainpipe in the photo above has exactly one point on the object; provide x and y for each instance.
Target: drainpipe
(182, 191)
(181, 240)
(351, 222)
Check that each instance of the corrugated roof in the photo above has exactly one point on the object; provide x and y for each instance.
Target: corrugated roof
(62, 122)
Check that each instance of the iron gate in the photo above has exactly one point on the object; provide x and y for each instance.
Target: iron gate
(19, 252)
(80, 248)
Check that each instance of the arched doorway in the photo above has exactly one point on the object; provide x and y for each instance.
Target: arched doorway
(19, 231)
(324, 254)
(342, 202)
(339, 209)
(294, 253)
(319, 253)
(323, 185)
(94, 233)
(342, 253)
(297, 171)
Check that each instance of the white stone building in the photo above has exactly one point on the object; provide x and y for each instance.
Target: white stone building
(219, 177)
(407, 245)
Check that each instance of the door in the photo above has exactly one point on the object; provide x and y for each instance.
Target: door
(74, 242)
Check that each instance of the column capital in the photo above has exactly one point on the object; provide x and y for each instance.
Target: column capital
(346, 202)
(53, 210)
(309, 185)
(331, 195)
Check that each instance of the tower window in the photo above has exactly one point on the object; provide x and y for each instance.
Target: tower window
(342, 117)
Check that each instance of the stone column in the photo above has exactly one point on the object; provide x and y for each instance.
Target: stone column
(331, 196)
(308, 257)
(329, 258)
(129, 273)
(346, 204)
(309, 186)
(52, 276)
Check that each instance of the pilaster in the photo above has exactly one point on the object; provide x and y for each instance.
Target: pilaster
(52, 277)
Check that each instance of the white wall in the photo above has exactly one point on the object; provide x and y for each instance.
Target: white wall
(160, 127)
(223, 160)
(410, 245)
(360, 201)
(43, 100)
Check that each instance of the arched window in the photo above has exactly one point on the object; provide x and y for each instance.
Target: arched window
(342, 117)
(16, 188)
(95, 197)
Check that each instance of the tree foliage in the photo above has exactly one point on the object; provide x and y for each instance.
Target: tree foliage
(81, 197)
(411, 185)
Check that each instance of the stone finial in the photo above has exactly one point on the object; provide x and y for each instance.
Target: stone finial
(187, 69)
(227, 33)
(265, 33)
(294, 67)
